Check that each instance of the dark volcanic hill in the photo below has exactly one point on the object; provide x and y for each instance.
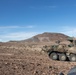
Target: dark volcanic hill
(47, 37)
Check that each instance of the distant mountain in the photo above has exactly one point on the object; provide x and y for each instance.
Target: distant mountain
(47, 37)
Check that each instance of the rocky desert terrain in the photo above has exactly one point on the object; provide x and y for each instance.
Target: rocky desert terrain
(28, 58)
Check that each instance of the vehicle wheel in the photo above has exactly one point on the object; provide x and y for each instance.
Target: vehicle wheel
(53, 56)
(72, 57)
(62, 57)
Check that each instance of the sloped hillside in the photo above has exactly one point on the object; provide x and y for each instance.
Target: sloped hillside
(47, 37)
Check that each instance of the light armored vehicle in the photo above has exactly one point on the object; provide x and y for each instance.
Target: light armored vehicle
(63, 52)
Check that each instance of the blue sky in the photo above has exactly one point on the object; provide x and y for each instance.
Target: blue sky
(22, 19)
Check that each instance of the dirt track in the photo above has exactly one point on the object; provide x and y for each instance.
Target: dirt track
(32, 63)
(17, 61)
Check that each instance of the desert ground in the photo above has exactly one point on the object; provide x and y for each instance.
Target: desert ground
(29, 59)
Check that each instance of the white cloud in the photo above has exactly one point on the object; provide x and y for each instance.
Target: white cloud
(16, 36)
(8, 33)
(30, 26)
(68, 30)
(3, 27)
(12, 27)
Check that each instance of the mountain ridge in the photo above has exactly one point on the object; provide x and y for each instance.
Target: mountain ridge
(47, 37)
